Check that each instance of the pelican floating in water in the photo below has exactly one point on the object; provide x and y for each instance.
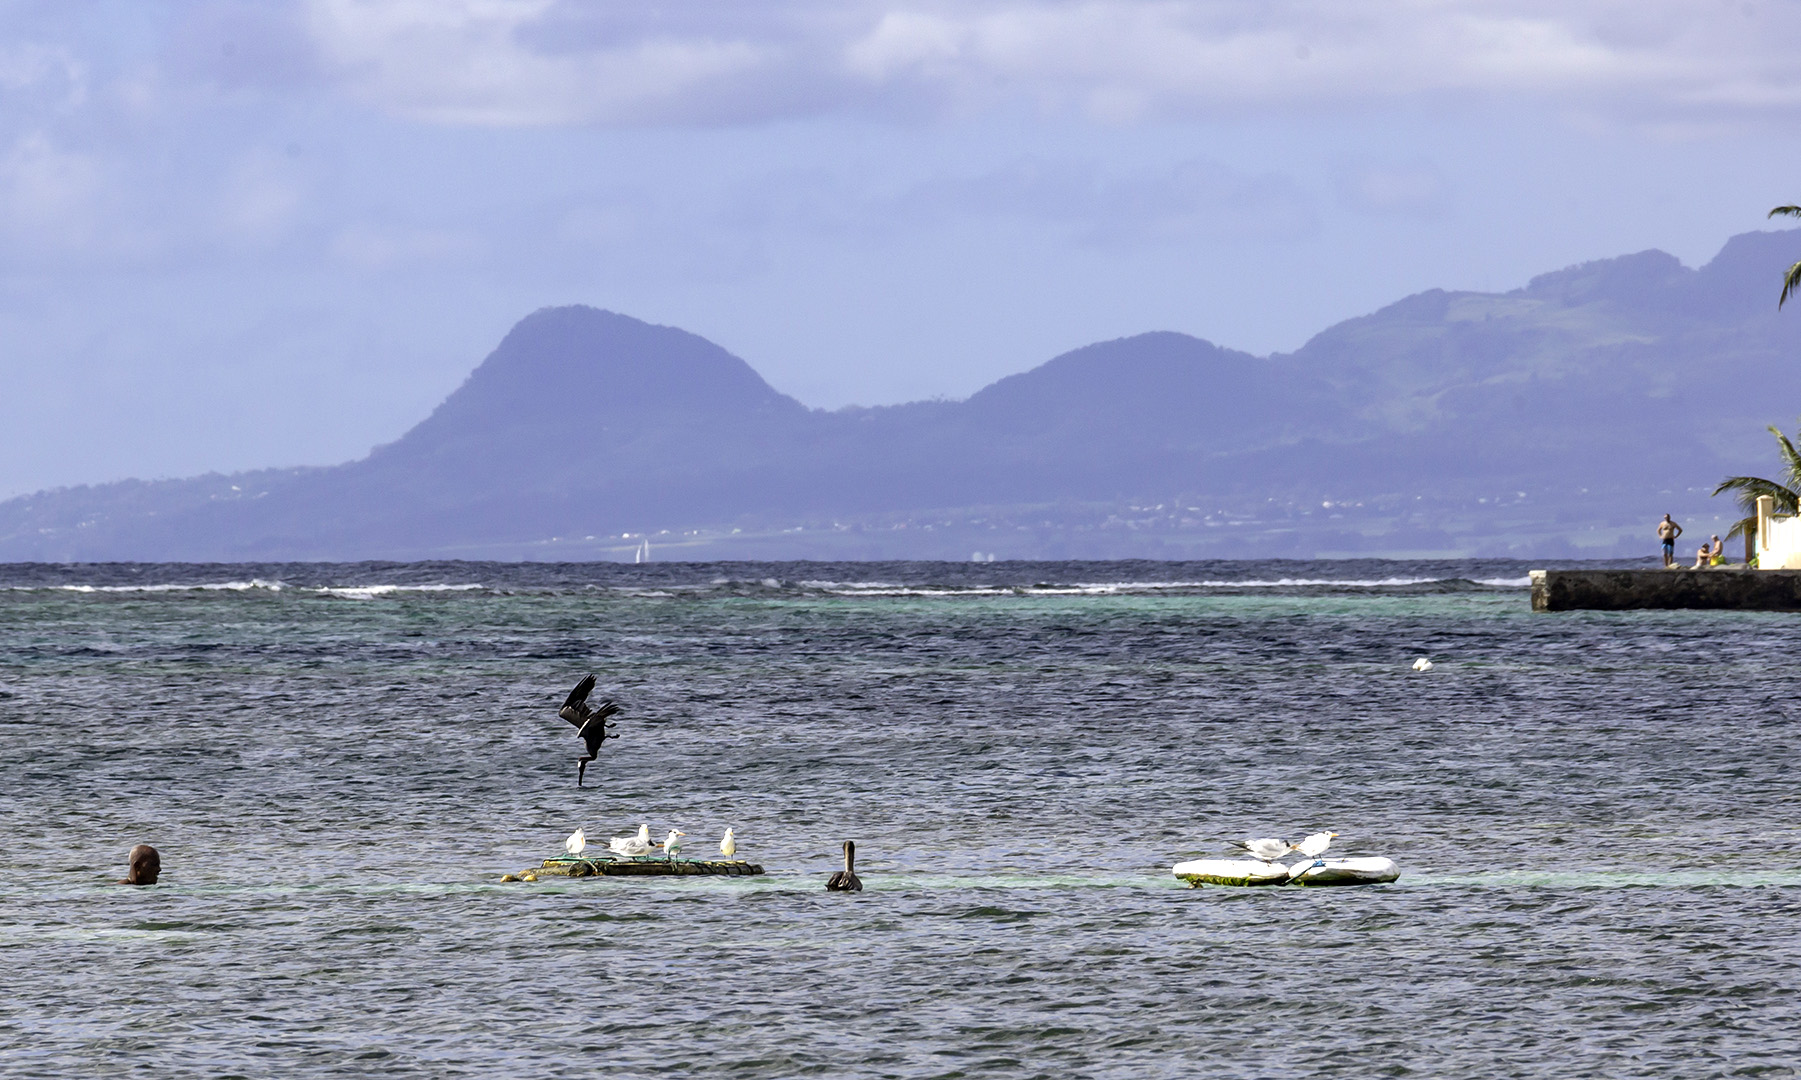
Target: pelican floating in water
(1269, 849)
(1422, 664)
(846, 880)
(672, 843)
(575, 843)
(728, 846)
(632, 845)
(590, 723)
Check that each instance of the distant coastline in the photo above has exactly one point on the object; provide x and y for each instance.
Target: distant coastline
(1444, 425)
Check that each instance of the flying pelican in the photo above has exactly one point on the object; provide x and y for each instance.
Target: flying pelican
(631, 845)
(1422, 664)
(729, 845)
(672, 843)
(590, 723)
(575, 843)
(846, 880)
(1268, 850)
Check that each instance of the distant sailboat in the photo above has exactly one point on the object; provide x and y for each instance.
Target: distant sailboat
(643, 555)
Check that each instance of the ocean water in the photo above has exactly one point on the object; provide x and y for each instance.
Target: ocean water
(1597, 817)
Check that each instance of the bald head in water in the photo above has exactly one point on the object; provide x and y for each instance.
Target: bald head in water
(146, 864)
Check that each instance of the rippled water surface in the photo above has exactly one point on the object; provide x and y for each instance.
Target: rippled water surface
(1596, 816)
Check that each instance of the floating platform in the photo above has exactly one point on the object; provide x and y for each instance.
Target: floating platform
(1721, 588)
(643, 866)
(1249, 872)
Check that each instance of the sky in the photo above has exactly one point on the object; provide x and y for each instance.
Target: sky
(246, 234)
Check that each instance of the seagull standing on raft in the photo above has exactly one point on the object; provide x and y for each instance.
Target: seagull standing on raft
(672, 843)
(1267, 850)
(729, 845)
(630, 846)
(1312, 846)
(1315, 844)
(846, 880)
(576, 843)
(590, 723)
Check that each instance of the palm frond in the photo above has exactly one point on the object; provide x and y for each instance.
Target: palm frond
(1750, 487)
(1743, 527)
(1791, 281)
(1791, 458)
(1754, 485)
(1785, 211)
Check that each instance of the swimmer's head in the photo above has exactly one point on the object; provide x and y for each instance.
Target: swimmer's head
(146, 864)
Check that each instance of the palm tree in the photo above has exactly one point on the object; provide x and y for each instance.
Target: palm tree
(1787, 493)
(1791, 281)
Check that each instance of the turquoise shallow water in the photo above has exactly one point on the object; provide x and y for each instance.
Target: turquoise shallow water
(1595, 815)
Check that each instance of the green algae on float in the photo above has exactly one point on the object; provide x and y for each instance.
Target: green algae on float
(576, 866)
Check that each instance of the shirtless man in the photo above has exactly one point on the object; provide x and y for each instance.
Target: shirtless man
(1668, 531)
(146, 864)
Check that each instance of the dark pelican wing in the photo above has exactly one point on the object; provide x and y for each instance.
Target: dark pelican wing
(590, 723)
(594, 730)
(572, 709)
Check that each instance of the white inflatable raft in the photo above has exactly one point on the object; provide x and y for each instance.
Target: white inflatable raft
(1319, 872)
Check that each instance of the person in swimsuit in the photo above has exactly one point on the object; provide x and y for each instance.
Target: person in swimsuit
(1719, 552)
(1668, 531)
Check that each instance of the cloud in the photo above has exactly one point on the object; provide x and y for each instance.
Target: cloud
(1407, 189)
(1191, 200)
(47, 194)
(521, 62)
(260, 198)
(236, 45)
(379, 247)
(498, 62)
(41, 77)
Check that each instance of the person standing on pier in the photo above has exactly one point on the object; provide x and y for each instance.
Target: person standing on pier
(1668, 531)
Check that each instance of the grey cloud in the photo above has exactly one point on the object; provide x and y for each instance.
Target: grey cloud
(712, 61)
(238, 45)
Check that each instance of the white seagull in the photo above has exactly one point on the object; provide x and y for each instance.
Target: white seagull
(631, 845)
(1422, 664)
(1268, 849)
(729, 845)
(575, 843)
(1315, 844)
(673, 843)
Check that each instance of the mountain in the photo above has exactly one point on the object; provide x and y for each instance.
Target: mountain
(1558, 419)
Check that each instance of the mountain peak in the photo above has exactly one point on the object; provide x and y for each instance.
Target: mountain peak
(578, 365)
(557, 356)
(1629, 279)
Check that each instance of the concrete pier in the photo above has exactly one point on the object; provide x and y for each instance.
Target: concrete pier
(1733, 589)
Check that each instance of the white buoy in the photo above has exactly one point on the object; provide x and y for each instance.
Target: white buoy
(1422, 664)
(576, 843)
(729, 845)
